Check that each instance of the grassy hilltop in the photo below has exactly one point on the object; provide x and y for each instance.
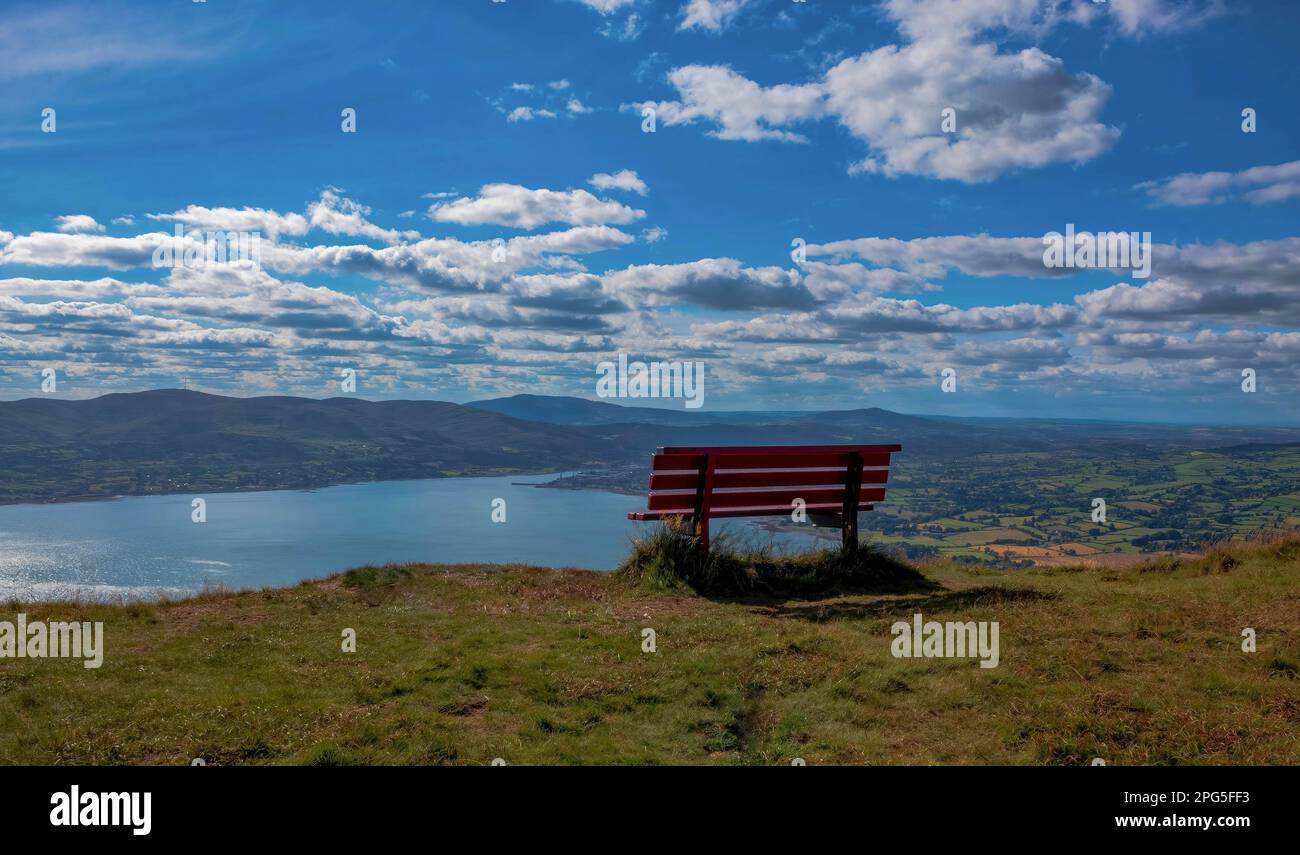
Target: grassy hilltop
(463, 664)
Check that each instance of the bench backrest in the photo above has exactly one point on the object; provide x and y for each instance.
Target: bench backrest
(740, 481)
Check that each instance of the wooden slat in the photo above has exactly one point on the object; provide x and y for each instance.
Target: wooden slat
(675, 462)
(737, 512)
(758, 478)
(781, 462)
(765, 460)
(760, 498)
(777, 449)
(802, 460)
(785, 497)
(674, 481)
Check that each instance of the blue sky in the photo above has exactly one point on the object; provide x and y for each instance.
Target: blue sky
(521, 122)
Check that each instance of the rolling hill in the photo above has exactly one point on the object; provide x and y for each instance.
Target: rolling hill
(172, 440)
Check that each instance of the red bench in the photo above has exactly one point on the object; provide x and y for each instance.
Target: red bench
(834, 481)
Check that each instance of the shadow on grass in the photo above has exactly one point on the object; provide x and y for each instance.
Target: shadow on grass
(935, 602)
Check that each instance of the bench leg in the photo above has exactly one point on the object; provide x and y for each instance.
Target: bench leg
(703, 498)
(849, 533)
(849, 513)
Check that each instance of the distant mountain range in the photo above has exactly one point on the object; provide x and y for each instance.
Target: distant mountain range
(563, 410)
(647, 428)
(169, 441)
(172, 441)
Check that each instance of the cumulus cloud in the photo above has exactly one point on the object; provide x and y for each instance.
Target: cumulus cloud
(331, 213)
(740, 108)
(339, 216)
(624, 179)
(1013, 110)
(1260, 185)
(514, 309)
(525, 208)
(77, 224)
(527, 114)
(721, 283)
(712, 15)
(269, 223)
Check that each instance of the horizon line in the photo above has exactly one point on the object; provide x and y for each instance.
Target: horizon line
(696, 413)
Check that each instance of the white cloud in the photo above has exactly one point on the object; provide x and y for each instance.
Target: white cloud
(576, 107)
(526, 208)
(331, 213)
(721, 283)
(525, 308)
(1259, 185)
(339, 216)
(710, 14)
(1014, 110)
(270, 223)
(1138, 17)
(624, 179)
(527, 114)
(965, 18)
(742, 109)
(627, 31)
(46, 39)
(606, 7)
(77, 224)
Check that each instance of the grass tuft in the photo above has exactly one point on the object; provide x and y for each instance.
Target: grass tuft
(371, 577)
(670, 558)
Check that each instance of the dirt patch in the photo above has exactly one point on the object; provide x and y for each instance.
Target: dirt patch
(465, 709)
(1115, 560)
(1004, 550)
(187, 616)
(567, 586)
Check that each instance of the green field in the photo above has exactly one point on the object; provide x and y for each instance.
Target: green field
(1175, 501)
(464, 664)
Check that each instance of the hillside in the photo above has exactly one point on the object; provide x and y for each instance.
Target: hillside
(463, 664)
(173, 440)
(565, 410)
